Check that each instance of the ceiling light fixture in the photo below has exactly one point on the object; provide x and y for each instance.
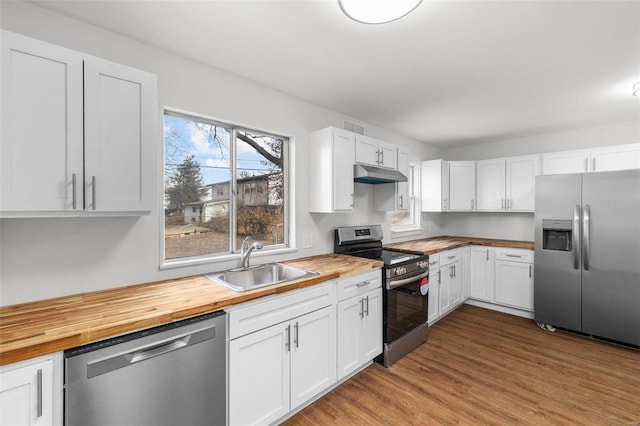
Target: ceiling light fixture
(377, 11)
(636, 89)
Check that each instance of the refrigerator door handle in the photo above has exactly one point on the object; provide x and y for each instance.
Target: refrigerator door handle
(576, 236)
(586, 219)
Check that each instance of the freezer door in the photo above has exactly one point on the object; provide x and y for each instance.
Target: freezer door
(611, 273)
(557, 283)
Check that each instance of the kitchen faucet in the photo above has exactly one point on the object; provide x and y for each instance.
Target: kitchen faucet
(245, 250)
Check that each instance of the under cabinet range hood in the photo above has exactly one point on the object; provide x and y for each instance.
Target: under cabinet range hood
(374, 175)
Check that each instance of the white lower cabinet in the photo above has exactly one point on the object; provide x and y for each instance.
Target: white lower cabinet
(359, 321)
(446, 284)
(482, 273)
(31, 392)
(514, 278)
(435, 279)
(282, 353)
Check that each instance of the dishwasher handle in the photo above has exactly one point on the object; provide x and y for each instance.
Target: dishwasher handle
(121, 360)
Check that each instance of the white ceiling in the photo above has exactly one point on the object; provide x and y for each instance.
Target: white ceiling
(451, 73)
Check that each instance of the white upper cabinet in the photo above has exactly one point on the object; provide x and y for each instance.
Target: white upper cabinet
(462, 185)
(119, 129)
(434, 186)
(491, 180)
(42, 133)
(375, 152)
(331, 160)
(617, 157)
(74, 140)
(507, 184)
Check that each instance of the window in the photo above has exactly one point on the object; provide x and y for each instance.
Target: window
(409, 219)
(219, 166)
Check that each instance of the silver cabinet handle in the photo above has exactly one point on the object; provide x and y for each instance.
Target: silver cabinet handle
(401, 201)
(586, 164)
(296, 338)
(367, 300)
(508, 203)
(503, 204)
(288, 342)
(381, 156)
(593, 164)
(454, 271)
(487, 255)
(351, 200)
(73, 189)
(363, 283)
(576, 236)
(93, 192)
(451, 257)
(472, 203)
(513, 255)
(39, 387)
(444, 204)
(439, 280)
(530, 270)
(361, 301)
(586, 219)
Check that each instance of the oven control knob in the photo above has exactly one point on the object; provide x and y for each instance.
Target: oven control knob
(401, 271)
(423, 265)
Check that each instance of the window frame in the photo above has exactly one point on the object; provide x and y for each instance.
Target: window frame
(413, 228)
(234, 253)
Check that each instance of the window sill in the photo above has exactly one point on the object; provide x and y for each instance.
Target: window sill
(405, 232)
(227, 257)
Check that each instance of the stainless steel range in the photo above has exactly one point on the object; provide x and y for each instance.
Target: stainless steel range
(406, 289)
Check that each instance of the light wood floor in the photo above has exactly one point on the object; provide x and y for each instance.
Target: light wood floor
(485, 367)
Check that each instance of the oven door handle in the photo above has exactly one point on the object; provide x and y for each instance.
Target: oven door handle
(399, 283)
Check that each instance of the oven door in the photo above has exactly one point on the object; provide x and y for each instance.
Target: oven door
(406, 304)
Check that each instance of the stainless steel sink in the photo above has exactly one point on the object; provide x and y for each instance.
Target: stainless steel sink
(245, 279)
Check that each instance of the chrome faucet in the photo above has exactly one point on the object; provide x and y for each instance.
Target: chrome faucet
(245, 250)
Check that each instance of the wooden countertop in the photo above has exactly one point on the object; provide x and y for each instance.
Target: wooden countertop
(437, 244)
(32, 329)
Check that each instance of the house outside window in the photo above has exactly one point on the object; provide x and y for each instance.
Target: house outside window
(212, 175)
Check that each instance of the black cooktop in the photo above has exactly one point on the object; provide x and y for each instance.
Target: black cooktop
(390, 257)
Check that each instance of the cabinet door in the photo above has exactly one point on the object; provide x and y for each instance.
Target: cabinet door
(41, 142)
(388, 155)
(313, 354)
(367, 150)
(120, 123)
(343, 159)
(565, 162)
(402, 188)
(619, 157)
(20, 391)
(465, 269)
(491, 185)
(444, 293)
(350, 313)
(455, 287)
(434, 186)
(433, 310)
(462, 185)
(514, 284)
(482, 261)
(371, 333)
(521, 182)
(259, 376)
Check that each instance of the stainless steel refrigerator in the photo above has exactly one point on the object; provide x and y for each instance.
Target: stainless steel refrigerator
(587, 254)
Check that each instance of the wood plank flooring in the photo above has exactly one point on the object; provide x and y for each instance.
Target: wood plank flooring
(485, 367)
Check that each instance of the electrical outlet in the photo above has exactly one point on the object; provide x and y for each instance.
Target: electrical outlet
(307, 241)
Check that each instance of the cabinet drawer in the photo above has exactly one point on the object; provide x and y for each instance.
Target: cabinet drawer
(359, 284)
(448, 257)
(263, 313)
(514, 255)
(434, 262)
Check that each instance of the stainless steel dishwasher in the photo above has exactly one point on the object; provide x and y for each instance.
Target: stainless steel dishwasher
(173, 374)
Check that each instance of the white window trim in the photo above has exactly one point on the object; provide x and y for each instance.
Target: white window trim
(414, 228)
(289, 202)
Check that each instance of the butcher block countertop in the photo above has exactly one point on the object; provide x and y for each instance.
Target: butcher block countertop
(38, 328)
(437, 244)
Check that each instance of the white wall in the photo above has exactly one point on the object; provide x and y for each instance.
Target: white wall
(519, 226)
(44, 258)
